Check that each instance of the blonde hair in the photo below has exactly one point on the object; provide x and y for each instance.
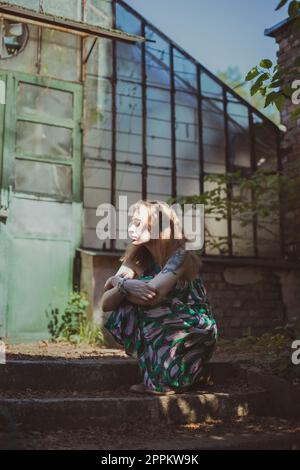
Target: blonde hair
(166, 243)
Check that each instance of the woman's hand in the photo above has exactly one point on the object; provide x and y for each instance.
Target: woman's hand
(140, 289)
(112, 281)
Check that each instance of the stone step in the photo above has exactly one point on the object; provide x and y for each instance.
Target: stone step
(91, 374)
(65, 412)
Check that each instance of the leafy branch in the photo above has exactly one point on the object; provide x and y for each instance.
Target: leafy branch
(274, 82)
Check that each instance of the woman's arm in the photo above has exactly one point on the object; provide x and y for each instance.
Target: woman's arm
(168, 276)
(139, 291)
(111, 299)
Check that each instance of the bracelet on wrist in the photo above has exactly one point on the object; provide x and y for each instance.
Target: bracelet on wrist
(121, 288)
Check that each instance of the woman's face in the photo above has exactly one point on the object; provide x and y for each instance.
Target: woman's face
(138, 226)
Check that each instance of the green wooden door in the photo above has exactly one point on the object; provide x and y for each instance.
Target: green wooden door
(41, 187)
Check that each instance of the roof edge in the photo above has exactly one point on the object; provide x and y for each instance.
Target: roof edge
(274, 30)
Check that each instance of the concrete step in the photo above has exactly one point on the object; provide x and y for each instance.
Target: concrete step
(73, 412)
(249, 432)
(92, 374)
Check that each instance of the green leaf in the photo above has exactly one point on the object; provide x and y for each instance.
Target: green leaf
(275, 84)
(279, 102)
(253, 73)
(281, 4)
(254, 89)
(266, 63)
(294, 8)
(278, 74)
(270, 98)
(297, 62)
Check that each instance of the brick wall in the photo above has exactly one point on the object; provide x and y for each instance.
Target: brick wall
(246, 297)
(289, 48)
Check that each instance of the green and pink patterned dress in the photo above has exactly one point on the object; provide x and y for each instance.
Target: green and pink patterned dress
(171, 340)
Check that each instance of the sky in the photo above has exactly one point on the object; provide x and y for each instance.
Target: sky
(218, 33)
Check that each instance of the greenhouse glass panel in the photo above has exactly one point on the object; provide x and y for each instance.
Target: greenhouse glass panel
(129, 114)
(216, 231)
(30, 4)
(239, 135)
(98, 13)
(265, 138)
(70, 9)
(126, 21)
(185, 72)
(60, 55)
(129, 62)
(210, 87)
(98, 119)
(213, 136)
(187, 149)
(159, 145)
(157, 60)
(100, 60)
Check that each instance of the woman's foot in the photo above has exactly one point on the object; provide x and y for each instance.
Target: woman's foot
(141, 388)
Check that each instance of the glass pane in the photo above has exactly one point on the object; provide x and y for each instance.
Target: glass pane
(129, 121)
(239, 135)
(100, 60)
(27, 59)
(126, 21)
(43, 178)
(214, 159)
(158, 127)
(31, 4)
(210, 87)
(98, 13)
(129, 184)
(185, 73)
(265, 145)
(35, 100)
(40, 139)
(70, 9)
(97, 136)
(159, 183)
(213, 123)
(129, 61)
(187, 150)
(188, 186)
(157, 60)
(60, 55)
(216, 232)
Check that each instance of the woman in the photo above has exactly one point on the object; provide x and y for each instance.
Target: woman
(161, 313)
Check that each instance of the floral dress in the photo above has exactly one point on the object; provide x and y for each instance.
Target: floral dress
(173, 339)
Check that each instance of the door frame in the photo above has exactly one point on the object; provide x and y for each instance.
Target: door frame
(8, 155)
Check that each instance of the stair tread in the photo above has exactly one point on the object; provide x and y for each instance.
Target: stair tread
(119, 395)
(236, 433)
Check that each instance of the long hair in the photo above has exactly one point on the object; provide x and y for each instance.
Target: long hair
(169, 238)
